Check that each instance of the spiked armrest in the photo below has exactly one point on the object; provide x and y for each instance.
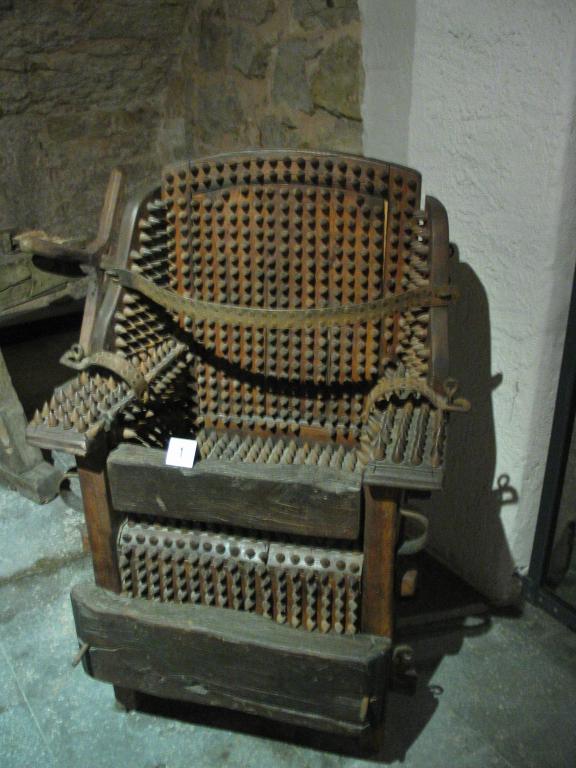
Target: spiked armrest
(83, 409)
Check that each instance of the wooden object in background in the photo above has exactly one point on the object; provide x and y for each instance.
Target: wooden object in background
(22, 466)
(43, 276)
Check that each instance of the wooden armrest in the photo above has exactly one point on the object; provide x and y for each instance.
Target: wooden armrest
(40, 243)
(79, 412)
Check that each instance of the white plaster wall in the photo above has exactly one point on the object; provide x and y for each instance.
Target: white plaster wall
(490, 125)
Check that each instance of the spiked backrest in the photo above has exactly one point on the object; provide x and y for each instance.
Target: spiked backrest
(277, 229)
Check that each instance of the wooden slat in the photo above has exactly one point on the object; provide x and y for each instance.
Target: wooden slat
(223, 658)
(101, 521)
(307, 500)
(380, 536)
(420, 477)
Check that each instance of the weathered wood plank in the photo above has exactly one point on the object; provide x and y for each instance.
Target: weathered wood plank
(381, 518)
(101, 521)
(299, 499)
(226, 658)
(420, 477)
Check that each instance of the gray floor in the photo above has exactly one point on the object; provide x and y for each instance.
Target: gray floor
(501, 695)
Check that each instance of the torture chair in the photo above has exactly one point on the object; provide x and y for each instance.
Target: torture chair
(288, 311)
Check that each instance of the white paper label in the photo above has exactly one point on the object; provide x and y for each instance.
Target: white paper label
(181, 452)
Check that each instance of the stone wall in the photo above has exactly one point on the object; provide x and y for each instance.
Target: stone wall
(89, 84)
(272, 73)
(81, 87)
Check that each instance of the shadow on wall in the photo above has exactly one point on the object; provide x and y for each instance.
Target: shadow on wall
(466, 527)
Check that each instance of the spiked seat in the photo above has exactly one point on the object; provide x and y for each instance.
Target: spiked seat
(287, 310)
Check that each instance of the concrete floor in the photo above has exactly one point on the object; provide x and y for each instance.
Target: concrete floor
(496, 694)
(502, 694)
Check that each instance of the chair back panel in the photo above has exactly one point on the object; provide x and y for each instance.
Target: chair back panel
(292, 230)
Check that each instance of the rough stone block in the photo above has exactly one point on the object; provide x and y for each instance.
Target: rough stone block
(214, 36)
(249, 54)
(290, 87)
(336, 82)
(325, 14)
(253, 11)
(219, 110)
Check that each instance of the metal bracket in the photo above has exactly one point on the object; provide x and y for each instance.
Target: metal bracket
(319, 317)
(76, 358)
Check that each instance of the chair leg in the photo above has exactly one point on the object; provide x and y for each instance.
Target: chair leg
(126, 698)
(101, 521)
(372, 742)
(380, 536)
(381, 520)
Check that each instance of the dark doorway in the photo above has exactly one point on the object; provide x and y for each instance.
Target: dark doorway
(551, 580)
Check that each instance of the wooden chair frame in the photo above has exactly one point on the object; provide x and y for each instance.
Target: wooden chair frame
(410, 370)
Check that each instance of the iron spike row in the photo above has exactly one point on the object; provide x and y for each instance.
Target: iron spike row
(85, 403)
(148, 231)
(207, 445)
(420, 436)
(337, 457)
(438, 429)
(325, 603)
(161, 562)
(193, 574)
(139, 573)
(220, 577)
(280, 597)
(180, 580)
(388, 423)
(206, 580)
(157, 581)
(339, 603)
(235, 578)
(352, 604)
(125, 572)
(401, 440)
(349, 462)
(265, 590)
(249, 585)
(376, 434)
(294, 598)
(165, 587)
(311, 601)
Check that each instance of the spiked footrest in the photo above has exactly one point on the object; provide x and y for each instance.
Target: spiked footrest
(305, 585)
(237, 660)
